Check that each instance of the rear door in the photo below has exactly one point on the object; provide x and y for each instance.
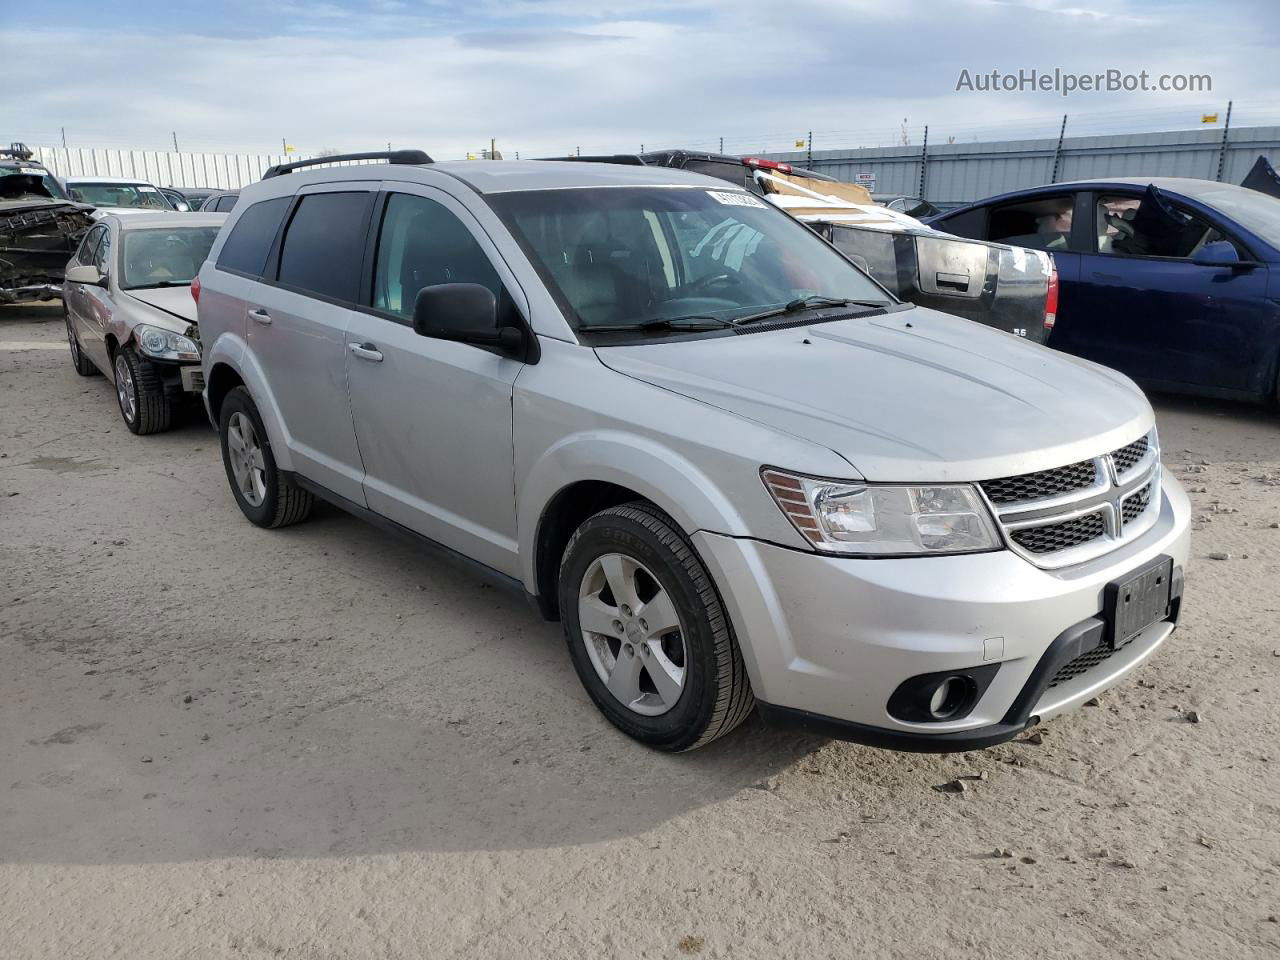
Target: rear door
(433, 417)
(297, 329)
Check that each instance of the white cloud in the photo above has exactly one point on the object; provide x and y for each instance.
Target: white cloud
(756, 71)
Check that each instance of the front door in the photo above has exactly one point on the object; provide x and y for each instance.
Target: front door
(1155, 314)
(433, 417)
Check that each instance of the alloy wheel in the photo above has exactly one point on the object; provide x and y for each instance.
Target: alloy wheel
(247, 464)
(125, 390)
(633, 634)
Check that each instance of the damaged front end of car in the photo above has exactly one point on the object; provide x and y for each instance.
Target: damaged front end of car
(37, 238)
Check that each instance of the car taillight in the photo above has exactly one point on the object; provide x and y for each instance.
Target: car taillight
(1051, 300)
(195, 289)
(767, 164)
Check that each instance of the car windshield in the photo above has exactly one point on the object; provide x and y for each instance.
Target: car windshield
(141, 195)
(618, 256)
(21, 183)
(164, 257)
(1256, 212)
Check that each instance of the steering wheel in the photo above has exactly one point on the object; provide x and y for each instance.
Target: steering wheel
(732, 279)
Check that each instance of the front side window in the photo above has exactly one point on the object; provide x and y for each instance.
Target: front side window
(1042, 224)
(1149, 226)
(421, 244)
(89, 245)
(626, 255)
(140, 195)
(324, 243)
(102, 255)
(164, 257)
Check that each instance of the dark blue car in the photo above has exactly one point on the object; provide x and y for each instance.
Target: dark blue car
(1175, 282)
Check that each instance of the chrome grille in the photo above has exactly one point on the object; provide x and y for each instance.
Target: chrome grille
(1136, 505)
(1070, 514)
(1042, 484)
(1059, 536)
(1126, 458)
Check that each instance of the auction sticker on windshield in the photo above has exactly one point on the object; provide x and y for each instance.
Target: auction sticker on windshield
(734, 199)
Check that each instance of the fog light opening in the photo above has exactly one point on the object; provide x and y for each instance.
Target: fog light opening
(950, 697)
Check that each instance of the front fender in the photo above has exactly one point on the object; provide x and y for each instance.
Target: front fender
(231, 350)
(656, 472)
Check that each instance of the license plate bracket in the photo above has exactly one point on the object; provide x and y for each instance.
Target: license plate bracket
(1138, 600)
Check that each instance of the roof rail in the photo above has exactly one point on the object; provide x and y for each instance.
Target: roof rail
(19, 151)
(630, 159)
(392, 156)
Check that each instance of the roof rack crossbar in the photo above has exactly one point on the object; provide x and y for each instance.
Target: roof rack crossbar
(392, 156)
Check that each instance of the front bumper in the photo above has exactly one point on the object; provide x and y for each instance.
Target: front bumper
(826, 639)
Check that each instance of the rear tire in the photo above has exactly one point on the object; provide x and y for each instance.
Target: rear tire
(679, 679)
(266, 495)
(83, 365)
(140, 394)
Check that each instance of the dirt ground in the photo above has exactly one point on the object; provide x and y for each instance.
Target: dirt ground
(218, 741)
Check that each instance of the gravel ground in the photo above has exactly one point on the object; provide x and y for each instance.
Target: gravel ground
(218, 741)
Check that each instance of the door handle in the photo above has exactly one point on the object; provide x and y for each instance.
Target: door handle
(260, 316)
(956, 281)
(366, 351)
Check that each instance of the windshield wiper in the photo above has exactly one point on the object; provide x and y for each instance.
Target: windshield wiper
(160, 283)
(808, 303)
(693, 322)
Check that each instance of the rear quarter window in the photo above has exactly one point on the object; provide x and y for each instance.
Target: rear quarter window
(250, 241)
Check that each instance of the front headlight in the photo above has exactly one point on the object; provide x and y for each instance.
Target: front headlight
(164, 344)
(884, 519)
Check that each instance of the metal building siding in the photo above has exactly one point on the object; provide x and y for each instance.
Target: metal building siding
(961, 172)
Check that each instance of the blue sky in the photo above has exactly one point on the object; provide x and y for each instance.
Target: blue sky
(548, 76)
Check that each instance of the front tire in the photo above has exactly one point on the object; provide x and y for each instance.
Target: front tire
(140, 393)
(265, 494)
(647, 631)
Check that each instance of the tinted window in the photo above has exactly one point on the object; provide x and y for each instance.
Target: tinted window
(251, 238)
(225, 203)
(1043, 223)
(323, 244)
(422, 244)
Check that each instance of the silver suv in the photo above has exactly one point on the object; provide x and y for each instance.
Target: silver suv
(728, 461)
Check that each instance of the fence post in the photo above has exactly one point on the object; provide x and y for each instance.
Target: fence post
(1057, 151)
(924, 161)
(1222, 149)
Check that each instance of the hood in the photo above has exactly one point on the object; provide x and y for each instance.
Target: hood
(911, 396)
(176, 302)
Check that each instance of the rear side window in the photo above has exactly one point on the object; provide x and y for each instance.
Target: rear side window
(1043, 223)
(226, 203)
(324, 244)
(246, 249)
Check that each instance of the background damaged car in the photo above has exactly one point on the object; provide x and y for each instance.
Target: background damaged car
(40, 227)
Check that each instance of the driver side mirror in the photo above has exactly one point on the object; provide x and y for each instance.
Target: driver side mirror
(466, 313)
(87, 274)
(1221, 253)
